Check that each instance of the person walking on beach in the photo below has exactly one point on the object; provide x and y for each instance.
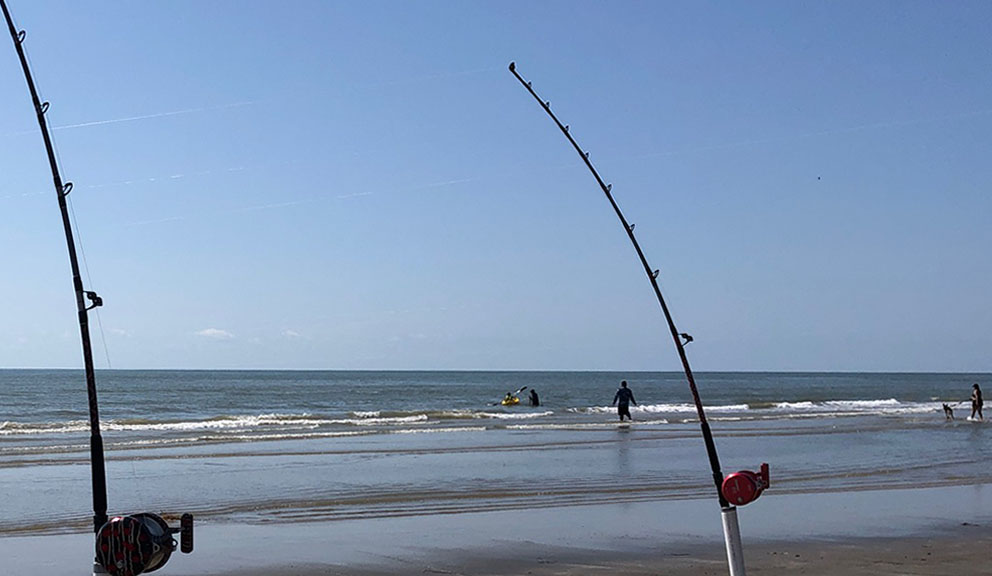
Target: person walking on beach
(534, 400)
(976, 401)
(624, 396)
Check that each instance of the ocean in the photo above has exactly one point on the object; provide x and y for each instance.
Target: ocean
(263, 447)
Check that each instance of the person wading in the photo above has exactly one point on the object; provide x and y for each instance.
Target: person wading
(976, 402)
(625, 397)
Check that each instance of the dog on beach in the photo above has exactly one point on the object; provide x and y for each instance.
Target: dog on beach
(948, 412)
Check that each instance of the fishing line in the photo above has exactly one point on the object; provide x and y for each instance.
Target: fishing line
(680, 339)
(77, 232)
(60, 166)
(731, 529)
(86, 300)
(89, 280)
(147, 536)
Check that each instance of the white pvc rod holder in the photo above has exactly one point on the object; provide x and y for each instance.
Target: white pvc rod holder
(732, 535)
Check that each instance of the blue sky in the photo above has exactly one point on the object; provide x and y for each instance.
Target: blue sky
(364, 185)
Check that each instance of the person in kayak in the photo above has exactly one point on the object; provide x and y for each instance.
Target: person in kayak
(624, 396)
(534, 400)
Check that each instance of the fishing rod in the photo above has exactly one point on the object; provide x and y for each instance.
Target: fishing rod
(62, 191)
(129, 545)
(742, 487)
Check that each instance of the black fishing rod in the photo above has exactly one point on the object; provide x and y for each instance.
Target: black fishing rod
(759, 481)
(653, 278)
(125, 545)
(62, 190)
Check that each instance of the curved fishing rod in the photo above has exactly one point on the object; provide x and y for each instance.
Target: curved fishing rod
(741, 487)
(125, 545)
(62, 190)
(653, 278)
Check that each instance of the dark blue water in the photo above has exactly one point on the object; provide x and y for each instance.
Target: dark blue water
(59, 396)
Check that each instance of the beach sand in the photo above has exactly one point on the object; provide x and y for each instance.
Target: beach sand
(964, 553)
(935, 531)
(959, 552)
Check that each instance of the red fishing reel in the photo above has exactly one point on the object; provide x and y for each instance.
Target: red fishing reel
(132, 545)
(744, 487)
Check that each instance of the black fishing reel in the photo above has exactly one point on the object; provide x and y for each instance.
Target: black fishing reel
(132, 545)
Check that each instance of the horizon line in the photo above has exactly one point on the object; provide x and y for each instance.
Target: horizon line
(572, 370)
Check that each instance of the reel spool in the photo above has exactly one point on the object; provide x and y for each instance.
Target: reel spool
(133, 545)
(744, 487)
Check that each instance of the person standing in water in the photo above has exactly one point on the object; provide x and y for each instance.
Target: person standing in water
(534, 400)
(625, 397)
(976, 402)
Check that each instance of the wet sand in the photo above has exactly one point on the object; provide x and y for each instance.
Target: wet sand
(964, 552)
(936, 531)
(960, 552)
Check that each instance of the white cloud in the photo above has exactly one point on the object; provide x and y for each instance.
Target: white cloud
(215, 334)
(290, 334)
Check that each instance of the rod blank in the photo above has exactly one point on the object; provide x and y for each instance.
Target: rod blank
(652, 275)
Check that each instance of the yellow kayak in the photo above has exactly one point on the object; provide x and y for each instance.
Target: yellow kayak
(510, 401)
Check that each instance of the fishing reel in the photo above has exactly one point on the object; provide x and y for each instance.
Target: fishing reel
(132, 545)
(744, 487)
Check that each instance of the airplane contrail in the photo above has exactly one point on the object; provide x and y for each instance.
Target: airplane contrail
(291, 203)
(247, 102)
(277, 205)
(136, 118)
(150, 116)
(244, 103)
